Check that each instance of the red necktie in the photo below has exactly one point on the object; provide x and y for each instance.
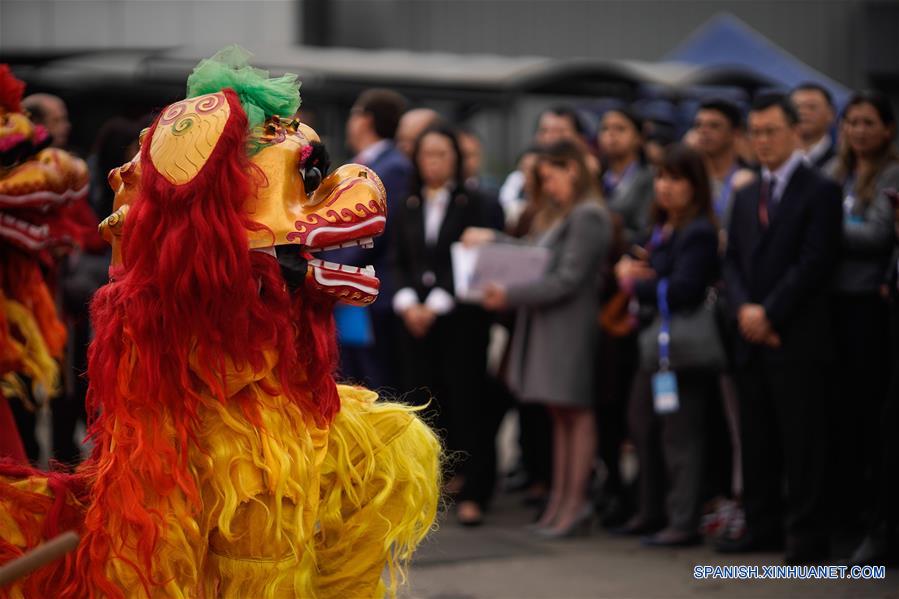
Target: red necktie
(765, 195)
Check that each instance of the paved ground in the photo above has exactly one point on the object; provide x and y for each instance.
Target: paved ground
(502, 560)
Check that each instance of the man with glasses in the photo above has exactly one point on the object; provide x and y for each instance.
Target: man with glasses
(784, 240)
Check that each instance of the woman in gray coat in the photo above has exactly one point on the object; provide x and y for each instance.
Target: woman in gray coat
(553, 351)
(866, 165)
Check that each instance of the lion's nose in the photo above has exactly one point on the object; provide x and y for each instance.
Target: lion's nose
(114, 178)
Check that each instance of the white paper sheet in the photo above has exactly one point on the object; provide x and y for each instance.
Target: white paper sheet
(502, 263)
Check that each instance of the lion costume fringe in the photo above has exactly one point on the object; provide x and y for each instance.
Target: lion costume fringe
(226, 461)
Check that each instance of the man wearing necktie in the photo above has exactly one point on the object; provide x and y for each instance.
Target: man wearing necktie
(783, 245)
(366, 335)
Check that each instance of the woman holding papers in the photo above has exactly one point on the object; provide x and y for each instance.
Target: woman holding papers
(552, 356)
(444, 342)
(670, 276)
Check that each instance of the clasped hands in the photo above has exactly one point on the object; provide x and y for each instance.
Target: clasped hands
(755, 326)
(629, 269)
(418, 319)
(753, 321)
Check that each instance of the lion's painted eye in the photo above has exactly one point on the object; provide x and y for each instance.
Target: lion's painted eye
(312, 178)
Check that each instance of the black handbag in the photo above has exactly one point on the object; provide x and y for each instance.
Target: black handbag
(694, 339)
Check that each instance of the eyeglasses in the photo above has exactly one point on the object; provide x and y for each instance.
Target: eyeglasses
(765, 132)
(711, 125)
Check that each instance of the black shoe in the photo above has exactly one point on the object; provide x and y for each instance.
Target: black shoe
(749, 543)
(469, 513)
(813, 556)
(874, 550)
(516, 480)
(534, 500)
(813, 549)
(672, 538)
(636, 527)
(615, 512)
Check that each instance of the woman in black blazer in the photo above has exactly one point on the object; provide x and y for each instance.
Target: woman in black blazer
(443, 343)
(684, 250)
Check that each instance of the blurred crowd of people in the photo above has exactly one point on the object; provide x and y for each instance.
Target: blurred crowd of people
(774, 226)
(772, 232)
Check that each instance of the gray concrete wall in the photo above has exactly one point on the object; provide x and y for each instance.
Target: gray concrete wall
(827, 34)
(46, 24)
(824, 33)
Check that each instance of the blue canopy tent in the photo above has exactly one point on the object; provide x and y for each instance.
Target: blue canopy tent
(725, 42)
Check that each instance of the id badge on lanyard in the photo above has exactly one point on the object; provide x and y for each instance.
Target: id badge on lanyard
(664, 392)
(849, 214)
(665, 398)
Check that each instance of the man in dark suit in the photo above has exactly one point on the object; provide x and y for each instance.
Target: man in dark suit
(367, 348)
(814, 104)
(783, 246)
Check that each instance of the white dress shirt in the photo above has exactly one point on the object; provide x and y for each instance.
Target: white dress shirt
(434, 206)
(782, 175)
(819, 149)
(369, 154)
(439, 300)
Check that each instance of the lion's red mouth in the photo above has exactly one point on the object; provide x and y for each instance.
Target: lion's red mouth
(350, 284)
(353, 212)
(23, 234)
(55, 231)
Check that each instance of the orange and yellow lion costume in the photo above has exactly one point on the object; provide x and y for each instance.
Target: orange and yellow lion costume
(226, 460)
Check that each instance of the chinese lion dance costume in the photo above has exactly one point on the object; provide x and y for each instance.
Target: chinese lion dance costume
(42, 202)
(227, 462)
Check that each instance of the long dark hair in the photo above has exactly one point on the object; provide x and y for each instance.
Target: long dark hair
(637, 122)
(561, 155)
(458, 180)
(683, 162)
(848, 161)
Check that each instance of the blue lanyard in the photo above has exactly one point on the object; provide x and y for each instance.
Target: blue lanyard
(721, 200)
(665, 328)
(656, 239)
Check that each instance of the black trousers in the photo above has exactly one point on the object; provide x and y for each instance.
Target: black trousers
(616, 365)
(374, 366)
(886, 481)
(536, 441)
(448, 368)
(885, 499)
(784, 433)
(69, 409)
(861, 324)
(479, 469)
(671, 449)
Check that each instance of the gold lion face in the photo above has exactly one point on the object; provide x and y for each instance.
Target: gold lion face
(297, 202)
(35, 185)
